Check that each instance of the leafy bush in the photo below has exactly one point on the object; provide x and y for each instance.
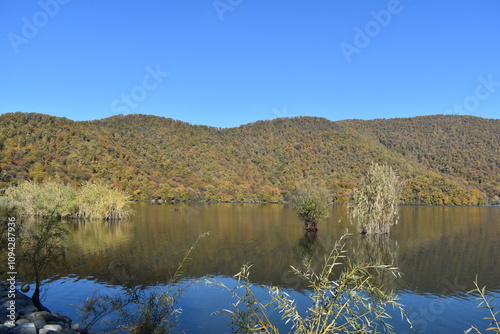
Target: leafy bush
(54, 199)
(377, 199)
(311, 205)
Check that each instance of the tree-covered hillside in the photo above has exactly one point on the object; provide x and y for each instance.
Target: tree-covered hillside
(444, 159)
(464, 148)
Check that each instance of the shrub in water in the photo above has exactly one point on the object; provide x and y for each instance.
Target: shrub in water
(311, 205)
(377, 199)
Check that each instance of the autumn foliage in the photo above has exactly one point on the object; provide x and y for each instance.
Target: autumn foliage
(446, 159)
(311, 205)
(55, 200)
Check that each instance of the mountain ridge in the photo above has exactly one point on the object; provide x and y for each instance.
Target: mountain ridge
(446, 159)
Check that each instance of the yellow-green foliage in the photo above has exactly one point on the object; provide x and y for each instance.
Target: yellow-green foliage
(377, 199)
(54, 199)
(98, 200)
(45, 200)
(153, 157)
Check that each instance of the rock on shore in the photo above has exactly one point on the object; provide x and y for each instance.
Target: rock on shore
(18, 315)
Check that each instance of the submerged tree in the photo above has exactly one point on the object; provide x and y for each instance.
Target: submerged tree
(311, 206)
(377, 199)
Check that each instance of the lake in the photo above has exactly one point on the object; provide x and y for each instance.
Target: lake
(439, 251)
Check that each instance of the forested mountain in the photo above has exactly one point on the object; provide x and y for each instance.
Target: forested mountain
(445, 159)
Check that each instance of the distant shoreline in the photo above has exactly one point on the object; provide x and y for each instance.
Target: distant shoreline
(290, 203)
(4, 200)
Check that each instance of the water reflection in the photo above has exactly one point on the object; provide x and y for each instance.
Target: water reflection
(438, 249)
(310, 247)
(378, 250)
(443, 248)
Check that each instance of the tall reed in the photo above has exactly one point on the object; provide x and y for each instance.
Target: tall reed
(351, 303)
(97, 201)
(485, 303)
(377, 199)
(54, 199)
(49, 199)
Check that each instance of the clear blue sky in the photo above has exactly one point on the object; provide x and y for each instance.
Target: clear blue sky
(230, 62)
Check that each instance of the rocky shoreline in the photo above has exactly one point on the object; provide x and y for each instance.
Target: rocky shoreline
(18, 315)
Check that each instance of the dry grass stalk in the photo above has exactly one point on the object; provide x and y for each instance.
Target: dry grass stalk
(54, 199)
(377, 199)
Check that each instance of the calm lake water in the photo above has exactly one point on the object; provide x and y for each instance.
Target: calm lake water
(439, 250)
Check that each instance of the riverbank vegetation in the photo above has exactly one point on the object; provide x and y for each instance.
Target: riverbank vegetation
(447, 159)
(56, 200)
(377, 197)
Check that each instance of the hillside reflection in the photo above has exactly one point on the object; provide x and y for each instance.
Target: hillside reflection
(437, 249)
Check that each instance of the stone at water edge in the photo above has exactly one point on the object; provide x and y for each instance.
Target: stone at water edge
(28, 309)
(53, 327)
(30, 319)
(22, 321)
(39, 322)
(4, 329)
(45, 331)
(39, 315)
(22, 330)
